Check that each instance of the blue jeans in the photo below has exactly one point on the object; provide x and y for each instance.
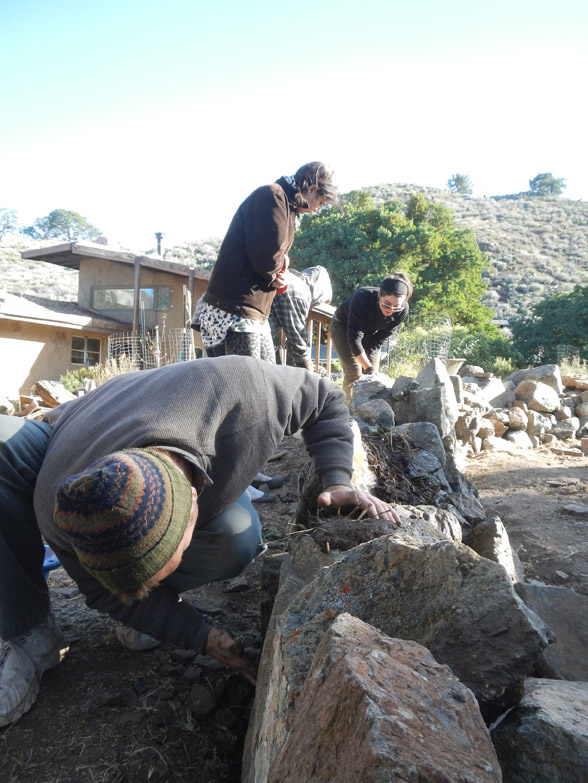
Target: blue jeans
(220, 549)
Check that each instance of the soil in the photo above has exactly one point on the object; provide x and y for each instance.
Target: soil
(108, 715)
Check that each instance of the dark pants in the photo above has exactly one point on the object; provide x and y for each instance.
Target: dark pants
(220, 549)
(24, 598)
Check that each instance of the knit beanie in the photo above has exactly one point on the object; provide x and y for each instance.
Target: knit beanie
(125, 516)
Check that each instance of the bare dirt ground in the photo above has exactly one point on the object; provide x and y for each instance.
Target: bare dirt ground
(534, 493)
(107, 715)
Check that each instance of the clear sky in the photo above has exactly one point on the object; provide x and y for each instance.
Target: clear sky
(149, 116)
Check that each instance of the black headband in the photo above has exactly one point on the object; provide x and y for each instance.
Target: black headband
(395, 286)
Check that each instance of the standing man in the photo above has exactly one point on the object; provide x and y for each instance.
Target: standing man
(139, 489)
(289, 312)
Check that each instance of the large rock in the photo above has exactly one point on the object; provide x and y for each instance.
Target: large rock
(371, 387)
(566, 613)
(538, 423)
(376, 411)
(548, 374)
(424, 435)
(469, 508)
(579, 382)
(519, 438)
(545, 739)
(430, 397)
(492, 391)
(538, 396)
(566, 428)
(490, 540)
(492, 443)
(442, 595)
(375, 709)
(517, 419)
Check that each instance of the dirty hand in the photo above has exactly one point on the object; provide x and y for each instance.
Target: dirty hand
(340, 495)
(230, 652)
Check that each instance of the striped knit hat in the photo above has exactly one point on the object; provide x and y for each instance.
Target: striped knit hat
(125, 515)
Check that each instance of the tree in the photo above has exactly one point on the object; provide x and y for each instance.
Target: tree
(8, 222)
(561, 320)
(62, 224)
(460, 183)
(546, 185)
(367, 242)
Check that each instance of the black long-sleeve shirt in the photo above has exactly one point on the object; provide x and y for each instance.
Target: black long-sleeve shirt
(367, 327)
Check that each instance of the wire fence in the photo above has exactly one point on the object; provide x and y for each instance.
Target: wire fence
(151, 348)
(427, 337)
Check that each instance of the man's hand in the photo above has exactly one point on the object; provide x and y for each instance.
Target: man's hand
(340, 495)
(222, 646)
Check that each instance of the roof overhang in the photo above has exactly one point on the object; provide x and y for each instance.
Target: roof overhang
(70, 254)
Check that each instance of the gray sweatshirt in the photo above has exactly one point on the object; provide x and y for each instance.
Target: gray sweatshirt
(228, 416)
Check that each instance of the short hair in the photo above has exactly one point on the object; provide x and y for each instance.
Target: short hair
(387, 286)
(315, 173)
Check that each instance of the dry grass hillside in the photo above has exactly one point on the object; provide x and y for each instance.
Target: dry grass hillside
(535, 247)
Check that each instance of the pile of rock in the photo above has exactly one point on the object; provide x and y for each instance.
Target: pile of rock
(419, 652)
(529, 408)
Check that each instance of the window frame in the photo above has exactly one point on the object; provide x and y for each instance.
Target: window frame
(87, 352)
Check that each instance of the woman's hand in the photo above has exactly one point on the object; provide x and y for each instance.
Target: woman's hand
(339, 495)
(281, 279)
(222, 646)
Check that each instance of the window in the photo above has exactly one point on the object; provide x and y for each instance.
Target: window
(85, 350)
(156, 298)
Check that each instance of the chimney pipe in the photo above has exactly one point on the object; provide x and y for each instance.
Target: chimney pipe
(159, 237)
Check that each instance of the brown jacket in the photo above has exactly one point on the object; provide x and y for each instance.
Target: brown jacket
(252, 252)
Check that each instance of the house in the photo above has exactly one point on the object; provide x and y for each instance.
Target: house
(127, 303)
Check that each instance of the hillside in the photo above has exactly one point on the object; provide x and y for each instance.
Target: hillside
(535, 247)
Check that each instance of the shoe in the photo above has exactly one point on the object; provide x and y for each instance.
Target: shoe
(135, 640)
(272, 483)
(23, 661)
(267, 497)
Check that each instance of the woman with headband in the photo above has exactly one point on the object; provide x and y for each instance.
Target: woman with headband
(363, 322)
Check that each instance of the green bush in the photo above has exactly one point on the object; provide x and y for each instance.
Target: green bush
(494, 353)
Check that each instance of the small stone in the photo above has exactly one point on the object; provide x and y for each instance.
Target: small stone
(169, 670)
(575, 509)
(562, 575)
(68, 592)
(183, 656)
(237, 585)
(140, 687)
(225, 718)
(193, 674)
(201, 701)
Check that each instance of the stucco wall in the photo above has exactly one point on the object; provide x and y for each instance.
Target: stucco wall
(34, 352)
(103, 273)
